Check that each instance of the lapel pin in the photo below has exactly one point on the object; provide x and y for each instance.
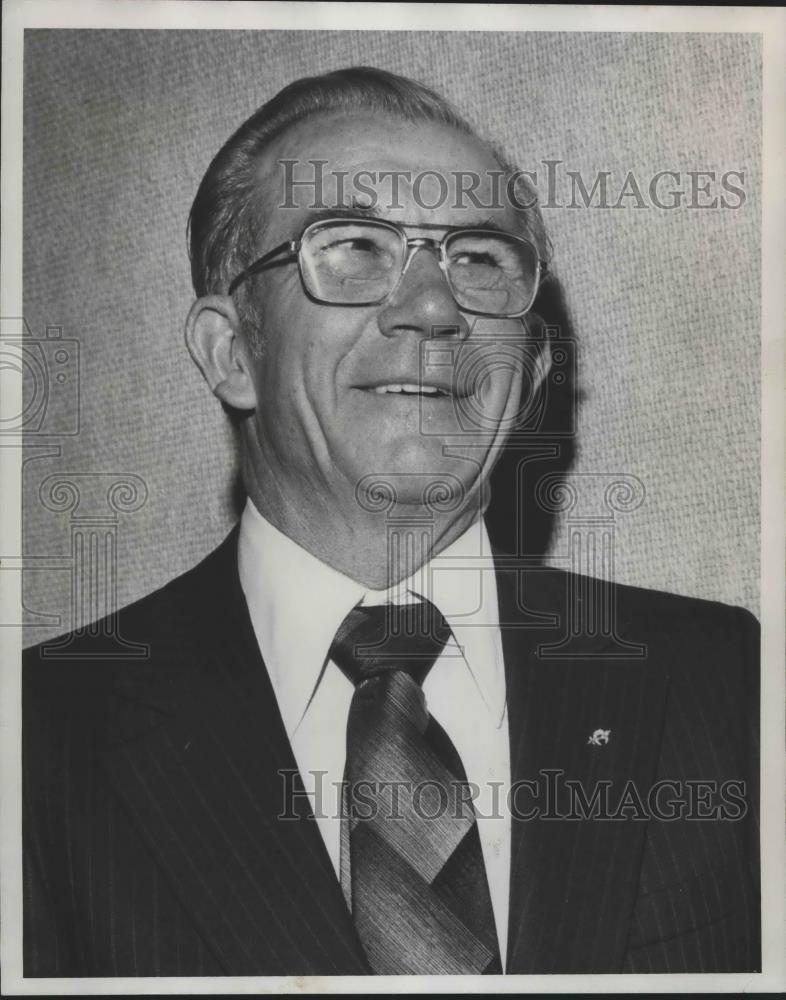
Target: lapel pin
(599, 738)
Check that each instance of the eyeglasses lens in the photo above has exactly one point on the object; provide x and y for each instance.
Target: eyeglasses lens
(491, 273)
(361, 262)
(351, 262)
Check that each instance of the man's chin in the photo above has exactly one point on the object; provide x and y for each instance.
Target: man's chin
(417, 472)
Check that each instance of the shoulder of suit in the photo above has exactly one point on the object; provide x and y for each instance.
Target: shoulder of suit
(689, 629)
(129, 646)
(706, 649)
(642, 602)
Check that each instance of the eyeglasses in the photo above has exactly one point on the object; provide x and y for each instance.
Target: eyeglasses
(360, 262)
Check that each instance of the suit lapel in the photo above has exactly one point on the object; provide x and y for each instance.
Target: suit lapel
(573, 880)
(195, 751)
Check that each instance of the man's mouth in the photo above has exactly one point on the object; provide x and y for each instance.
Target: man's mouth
(410, 389)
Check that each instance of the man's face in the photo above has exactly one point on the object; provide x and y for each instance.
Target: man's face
(327, 415)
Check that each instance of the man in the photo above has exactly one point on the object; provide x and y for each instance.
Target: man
(362, 742)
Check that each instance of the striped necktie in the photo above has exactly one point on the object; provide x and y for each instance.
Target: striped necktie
(411, 862)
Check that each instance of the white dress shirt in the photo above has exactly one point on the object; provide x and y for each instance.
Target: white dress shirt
(296, 603)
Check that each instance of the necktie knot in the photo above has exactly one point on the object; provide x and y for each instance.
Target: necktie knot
(374, 640)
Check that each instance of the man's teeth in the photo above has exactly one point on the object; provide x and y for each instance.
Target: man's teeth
(404, 387)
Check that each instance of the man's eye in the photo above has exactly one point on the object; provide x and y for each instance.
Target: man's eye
(357, 257)
(477, 257)
(357, 244)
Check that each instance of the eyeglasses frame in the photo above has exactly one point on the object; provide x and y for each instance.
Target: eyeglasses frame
(412, 244)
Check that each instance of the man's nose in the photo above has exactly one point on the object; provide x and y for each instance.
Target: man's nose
(423, 302)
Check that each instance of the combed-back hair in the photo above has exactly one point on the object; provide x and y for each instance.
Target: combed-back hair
(226, 219)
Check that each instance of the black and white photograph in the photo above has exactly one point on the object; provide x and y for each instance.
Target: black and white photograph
(393, 456)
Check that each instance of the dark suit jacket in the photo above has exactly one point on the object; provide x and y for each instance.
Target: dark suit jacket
(151, 791)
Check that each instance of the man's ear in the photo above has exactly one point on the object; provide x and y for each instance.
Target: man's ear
(213, 339)
(542, 365)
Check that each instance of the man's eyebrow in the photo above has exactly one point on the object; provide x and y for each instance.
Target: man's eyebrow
(360, 211)
(352, 211)
(485, 224)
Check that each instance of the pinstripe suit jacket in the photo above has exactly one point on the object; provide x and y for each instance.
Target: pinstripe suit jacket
(151, 791)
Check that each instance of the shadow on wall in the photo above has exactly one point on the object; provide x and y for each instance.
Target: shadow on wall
(542, 444)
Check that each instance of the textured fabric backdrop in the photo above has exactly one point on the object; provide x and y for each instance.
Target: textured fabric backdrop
(119, 128)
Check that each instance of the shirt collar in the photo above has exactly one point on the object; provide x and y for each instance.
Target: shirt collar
(296, 603)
